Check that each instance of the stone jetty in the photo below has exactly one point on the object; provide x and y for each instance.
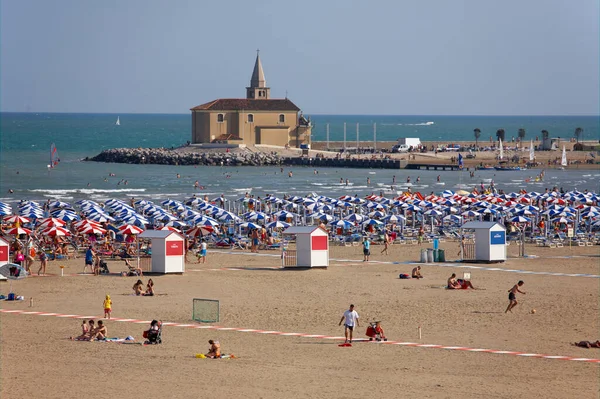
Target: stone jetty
(164, 156)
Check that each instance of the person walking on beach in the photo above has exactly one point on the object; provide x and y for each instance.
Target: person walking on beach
(89, 259)
(512, 296)
(366, 249)
(350, 319)
(386, 243)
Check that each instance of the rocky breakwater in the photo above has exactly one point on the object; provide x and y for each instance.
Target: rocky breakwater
(164, 156)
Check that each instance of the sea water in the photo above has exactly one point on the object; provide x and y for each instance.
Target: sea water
(25, 140)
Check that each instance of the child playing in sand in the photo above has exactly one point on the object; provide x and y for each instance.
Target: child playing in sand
(107, 307)
(512, 296)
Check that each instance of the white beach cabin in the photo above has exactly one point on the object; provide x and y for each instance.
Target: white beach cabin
(312, 248)
(490, 242)
(168, 251)
(4, 254)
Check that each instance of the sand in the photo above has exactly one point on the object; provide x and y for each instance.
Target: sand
(38, 360)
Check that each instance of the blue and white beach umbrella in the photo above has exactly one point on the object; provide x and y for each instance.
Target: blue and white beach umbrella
(278, 225)
(520, 219)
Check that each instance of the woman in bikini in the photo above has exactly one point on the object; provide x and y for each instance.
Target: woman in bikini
(149, 288)
(85, 332)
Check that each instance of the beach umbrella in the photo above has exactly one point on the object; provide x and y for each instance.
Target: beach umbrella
(394, 218)
(321, 216)
(177, 224)
(373, 222)
(99, 217)
(471, 214)
(130, 229)
(277, 225)
(16, 231)
(342, 223)
(377, 214)
(16, 219)
(89, 229)
(209, 223)
(250, 225)
(136, 220)
(59, 204)
(520, 219)
(65, 215)
(56, 232)
(354, 217)
(50, 222)
(433, 212)
(199, 231)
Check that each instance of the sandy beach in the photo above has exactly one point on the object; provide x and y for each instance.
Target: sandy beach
(38, 359)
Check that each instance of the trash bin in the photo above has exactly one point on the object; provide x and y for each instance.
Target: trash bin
(436, 243)
(436, 257)
(442, 255)
(429, 255)
(423, 256)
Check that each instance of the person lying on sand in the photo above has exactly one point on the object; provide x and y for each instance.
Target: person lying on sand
(587, 344)
(215, 349)
(138, 288)
(458, 284)
(149, 288)
(416, 272)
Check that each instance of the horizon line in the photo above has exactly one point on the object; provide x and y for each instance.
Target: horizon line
(309, 114)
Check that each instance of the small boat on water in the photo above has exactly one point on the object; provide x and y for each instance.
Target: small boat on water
(485, 168)
(118, 122)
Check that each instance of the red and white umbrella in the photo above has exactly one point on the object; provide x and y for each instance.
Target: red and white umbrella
(51, 222)
(130, 229)
(56, 232)
(16, 219)
(18, 231)
(92, 230)
(199, 231)
(85, 223)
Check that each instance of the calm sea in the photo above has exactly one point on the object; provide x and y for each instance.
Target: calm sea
(25, 140)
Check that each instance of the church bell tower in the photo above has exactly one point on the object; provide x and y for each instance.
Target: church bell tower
(258, 89)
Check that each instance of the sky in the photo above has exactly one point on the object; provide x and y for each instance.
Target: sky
(379, 57)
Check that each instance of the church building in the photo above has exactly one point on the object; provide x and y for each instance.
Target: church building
(256, 119)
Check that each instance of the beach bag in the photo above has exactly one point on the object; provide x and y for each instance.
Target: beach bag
(403, 276)
(20, 257)
(145, 334)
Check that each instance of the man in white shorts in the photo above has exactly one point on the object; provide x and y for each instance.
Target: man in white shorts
(350, 319)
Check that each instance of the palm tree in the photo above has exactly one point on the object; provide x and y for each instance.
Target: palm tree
(545, 135)
(579, 134)
(500, 134)
(477, 133)
(521, 134)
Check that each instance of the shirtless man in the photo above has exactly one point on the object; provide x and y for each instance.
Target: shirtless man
(215, 349)
(416, 272)
(100, 332)
(512, 296)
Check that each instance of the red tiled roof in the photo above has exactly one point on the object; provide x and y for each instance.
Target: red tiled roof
(247, 104)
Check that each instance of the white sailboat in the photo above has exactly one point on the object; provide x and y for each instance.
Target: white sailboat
(118, 122)
(563, 161)
(531, 152)
(501, 150)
